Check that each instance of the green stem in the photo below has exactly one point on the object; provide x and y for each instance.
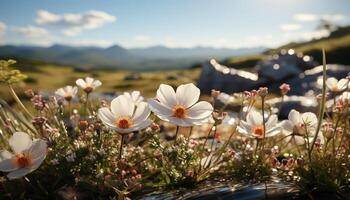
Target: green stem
(322, 105)
(19, 102)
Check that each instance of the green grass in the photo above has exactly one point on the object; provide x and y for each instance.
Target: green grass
(45, 77)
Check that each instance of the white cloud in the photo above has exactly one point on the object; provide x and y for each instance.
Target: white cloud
(74, 23)
(306, 17)
(290, 27)
(333, 18)
(143, 38)
(30, 31)
(2, 28)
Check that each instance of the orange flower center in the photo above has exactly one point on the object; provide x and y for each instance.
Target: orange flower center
(23, 160)
(258, 131)
(335, 89)
(124, 122)
(179, 111)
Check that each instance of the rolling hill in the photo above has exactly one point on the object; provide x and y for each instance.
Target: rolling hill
(117, 57)
(337, 46)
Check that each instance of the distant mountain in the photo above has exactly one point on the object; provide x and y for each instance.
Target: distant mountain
(162, 52)
(155, 57)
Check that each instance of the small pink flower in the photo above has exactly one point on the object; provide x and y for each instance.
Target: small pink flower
(285, 88)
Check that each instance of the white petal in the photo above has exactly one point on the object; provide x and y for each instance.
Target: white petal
(309, 118)
(106, 116)
(331, 82)
(158, 108)
(254, 118)
(89, 80)
(7, 163)
(4, 154)
(141, 113)
(200, 110)
(273, 131)
(135, 95)
(18, 173)
(60, 92)
(96, 84)
(187, 95)
(298, 140)
(37, 162)
(122, 106)
(288, 126)
(74, 91)
(38, 148)
(294, 117)
(144, 124)
(342, 84)
(182, 122)
(20, 142)
(81, 83)
(166, 95)
(271, 122)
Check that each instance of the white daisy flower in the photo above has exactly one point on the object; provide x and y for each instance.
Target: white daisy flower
(124, 116)
(253, 126)
(68, 92)
(27, 155)
(135, 96)
(180, 108)
(89, 84)
(297, 125)
(337, 86)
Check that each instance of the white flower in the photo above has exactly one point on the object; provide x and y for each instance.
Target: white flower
(124, 116)
(298, 126)
(89, 84)
(180, 108)
(67, 92)
(337, 86)
(70, 157)
(253, 126)
(27, 155)
(134, 96)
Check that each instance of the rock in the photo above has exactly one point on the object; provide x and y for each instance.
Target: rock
(283, 65)
(133, 76)
(229, 80)
(306, 82)
(299, 103)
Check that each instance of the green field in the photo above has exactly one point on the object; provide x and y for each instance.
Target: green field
(46, 77)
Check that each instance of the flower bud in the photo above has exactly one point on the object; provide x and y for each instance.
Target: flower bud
(285, 88)
(215, 93)
(263, 91)
(29, 93)
(83, 125)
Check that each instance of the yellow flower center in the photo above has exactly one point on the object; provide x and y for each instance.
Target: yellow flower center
(23, 160)
(124, 122)
(179, 111)
(258, 131)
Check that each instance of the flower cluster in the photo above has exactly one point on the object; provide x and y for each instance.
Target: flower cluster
(131, 144)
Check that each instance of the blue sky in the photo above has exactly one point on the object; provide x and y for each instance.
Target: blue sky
(173, 23)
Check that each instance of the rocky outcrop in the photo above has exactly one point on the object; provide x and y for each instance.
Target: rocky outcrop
(220, 77)
(300, 71)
